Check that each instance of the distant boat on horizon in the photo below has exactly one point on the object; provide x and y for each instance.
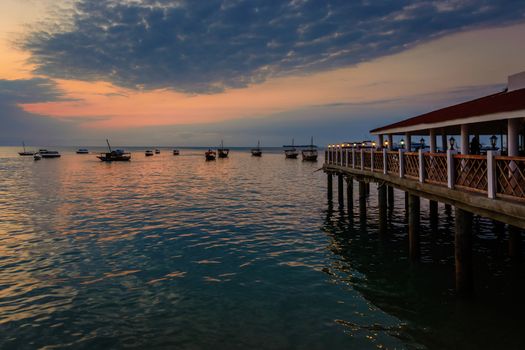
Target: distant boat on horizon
(176, 152)
(290, 152)
(24, 152)
(223, 152)
(148, 153)
(44, 153)
(210, 154)
(114, 156)
(157, 151)
(310, 153)
(82, 151)
(257, 152)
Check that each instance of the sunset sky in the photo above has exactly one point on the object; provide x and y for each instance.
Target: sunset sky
(159, 72)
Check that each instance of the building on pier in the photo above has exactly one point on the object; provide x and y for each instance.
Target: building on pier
(487, 181)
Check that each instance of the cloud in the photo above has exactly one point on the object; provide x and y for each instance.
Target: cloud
(209, 46)
(29, 91)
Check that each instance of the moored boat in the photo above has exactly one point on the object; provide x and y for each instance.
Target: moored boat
(176, 152)
(257, 152)
(148, 153)
(310, 153)
(210, 154)
(24, 152)
(157, 151)
(82, 151)
(114, 156)
(223, 152)
(48, 154)
(37, 156)
(290, 151)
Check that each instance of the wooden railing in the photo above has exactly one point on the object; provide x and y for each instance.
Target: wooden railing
(493, 175)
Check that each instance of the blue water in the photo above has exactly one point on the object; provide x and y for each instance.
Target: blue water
(175, 252)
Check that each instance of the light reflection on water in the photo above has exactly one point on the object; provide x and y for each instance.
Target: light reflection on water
(173, 251)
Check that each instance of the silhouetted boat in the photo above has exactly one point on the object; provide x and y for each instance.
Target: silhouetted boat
(176, 152)
(310, 152)
(37, 156)
(257, 152)
(157, 151)
(210, 154)
(223, 152)
(24, 152)
(48, 154)
(290, 151)
(82, 151)
(148, 153)
(114, 156)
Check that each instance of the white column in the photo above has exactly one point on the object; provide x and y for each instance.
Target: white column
(421, 166)
(450, 168)
(513, 126)
(353, 157)
(408, 142)
(464, 139)
(362, 159)
(390, 142)
(432, 140)
(385, 159)
(491, 175)
(401, 163)
(372, 160)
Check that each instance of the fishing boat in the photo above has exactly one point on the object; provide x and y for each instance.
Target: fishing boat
(290, 151)
(257, 152)
(148, 153)
(82, 151)
(24, 152)
(223, 152)
(310, 152)
(37, 156)
(157, 151)
(210, 154)
(176, 152)
(114, 156)
(44, 153)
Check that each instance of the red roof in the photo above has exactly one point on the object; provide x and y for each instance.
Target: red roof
(496, 103)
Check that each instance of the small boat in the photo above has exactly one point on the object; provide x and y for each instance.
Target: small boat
(82, 151)
(176, 152)
(223, 152)
(257, 152)
(37, 156)
(157, 151)
(310, 152)
(148, 153)
(290, 152)
(210, 154)
(24, 152)
(48, 154)
(114, 156)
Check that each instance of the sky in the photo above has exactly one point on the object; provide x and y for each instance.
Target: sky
(192, 73)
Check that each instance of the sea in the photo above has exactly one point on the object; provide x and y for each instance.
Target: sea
(238, 253)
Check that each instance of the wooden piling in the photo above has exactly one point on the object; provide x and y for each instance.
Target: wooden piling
(406, 205)
(433, 212)
(382, 202)
(413, 226)
(514, 242)
(390, 197)
(463, 253)
(329, 192)
(350, 193)
(362, 200)
(340, 193)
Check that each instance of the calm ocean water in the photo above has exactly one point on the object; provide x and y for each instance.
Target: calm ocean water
(240, 253)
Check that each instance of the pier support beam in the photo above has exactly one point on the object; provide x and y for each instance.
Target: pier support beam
(413, 226)
(382, 201)
(350, 193)
(340, 193)
(329, 192)
(406, 205)
(463, 253)
(362, 200)
(390, 197)
(514, 242)
(433, 211)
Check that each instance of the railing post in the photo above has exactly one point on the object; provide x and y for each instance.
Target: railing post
(450, 168)
(346, 157)
(353, 158)
(341, 156)
(491, 175)
(326, 156)
(362, 159)
(421, 166)
(372, 160)
(385, 160)
(401, 163)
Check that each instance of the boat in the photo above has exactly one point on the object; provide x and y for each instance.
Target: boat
(148, 153)
(257, 152)
(24, 152)
(114, 156)
(210, 154)
(310, 152)
(44, 153)
(176, 152)
(37, 156)
(223, 152)
(290, 152)
(157, 151)
(82, 151)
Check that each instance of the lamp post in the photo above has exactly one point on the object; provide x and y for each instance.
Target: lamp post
(422, 141)
(402, 143)
(385, 144)
(452, 141)
(493, 141)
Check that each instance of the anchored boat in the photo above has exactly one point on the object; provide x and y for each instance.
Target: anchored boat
(310, 152)
(176, 152)
(24, 152)
(44, 153)
(223, 152)
(82, 151)
(210, 154)
(290, 151)
(157, 151)
(114, 156)
(148, 153)
(257, 152)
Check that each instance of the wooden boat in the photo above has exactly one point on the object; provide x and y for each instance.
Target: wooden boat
(290, 151)
(44, 153)
(157, 151)
(24, 152)
(310, 153)
(148, 153)
(176, 152)
(257, 152)
(114, 156)
(37, 156)
(82, 151)
(210, 154)
(223, 152)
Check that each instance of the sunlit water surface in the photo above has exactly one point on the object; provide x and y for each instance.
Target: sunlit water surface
(175, 252)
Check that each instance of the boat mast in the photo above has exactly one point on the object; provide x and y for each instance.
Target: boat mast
(109, 146)
(24, 145)
(258, 144)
